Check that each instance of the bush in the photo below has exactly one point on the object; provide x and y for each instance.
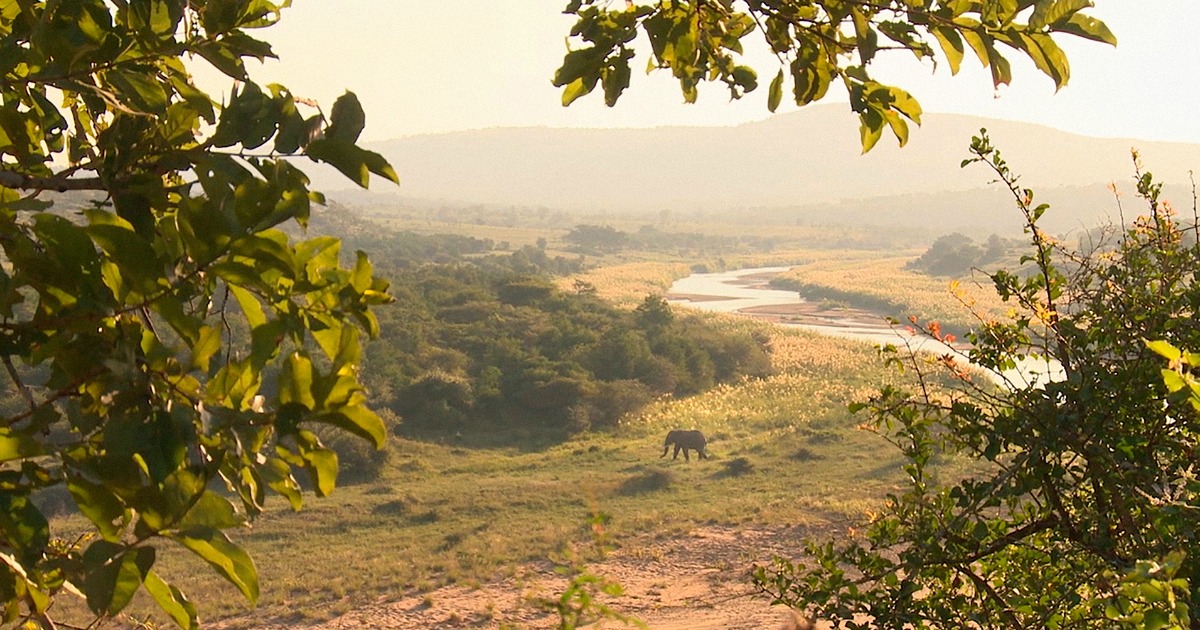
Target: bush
(1082, 509)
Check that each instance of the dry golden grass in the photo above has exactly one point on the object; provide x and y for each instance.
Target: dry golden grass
(800, 390)
(628, 284)
(958, 303)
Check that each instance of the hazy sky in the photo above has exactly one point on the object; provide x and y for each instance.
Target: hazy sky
(422, 66)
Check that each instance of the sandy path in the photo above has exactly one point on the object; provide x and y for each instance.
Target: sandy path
(699, 581)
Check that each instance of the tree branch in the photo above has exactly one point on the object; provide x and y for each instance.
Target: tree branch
(21, 386)
(23, 181)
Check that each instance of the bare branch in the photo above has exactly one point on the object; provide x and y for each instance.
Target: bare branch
(21, 386)
(59, 183)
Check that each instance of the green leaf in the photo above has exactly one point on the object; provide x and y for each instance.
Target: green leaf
(775, 92)
(172, 601)
(904, 103)
(250, 306)
(296, 381)
(278, 477)
(1173, 380)
(352, 161)
(1048, 12)
(207, 344)
(347, 119)
(342, 391)
(141, 90)
(1001, 71)
(132, 255)
(866, 37)
(1088, 28)
(615, 79)
(576, 89)
(811, 75)
(358, 420)
(378, 165)
(229, 560)
(23, 528)
(323, 464)
(114, 573)
(952, 46)
(1164, 349)
(98, 503)
(328, 333)
(265, 340)
(1047, 56)
(974, 40)
(17, 445)
(224, 59)
(870, 128)
(899, 127)
(212, 510)
(185, 325)
(361, 277)
(267, 252)
(577, 64)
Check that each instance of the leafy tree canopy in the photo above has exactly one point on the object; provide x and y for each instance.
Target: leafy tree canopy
(818, 43)
(165, 337)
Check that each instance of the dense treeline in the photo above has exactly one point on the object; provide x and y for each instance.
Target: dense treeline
(601, 239)
(483, 340)
(471, 346)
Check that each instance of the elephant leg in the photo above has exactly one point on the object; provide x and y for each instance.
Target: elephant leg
(675, 455)
(685, 455)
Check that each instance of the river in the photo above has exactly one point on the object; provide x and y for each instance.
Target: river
(745, 291)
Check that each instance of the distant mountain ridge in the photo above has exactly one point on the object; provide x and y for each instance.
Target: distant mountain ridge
(809, 157)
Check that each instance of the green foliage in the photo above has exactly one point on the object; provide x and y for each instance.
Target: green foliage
(597, 238)
(169, 339)
(1084, 511)
(817, 43)
(956, 255)
(473, 346)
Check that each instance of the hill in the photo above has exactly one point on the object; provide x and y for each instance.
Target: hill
(807, 159)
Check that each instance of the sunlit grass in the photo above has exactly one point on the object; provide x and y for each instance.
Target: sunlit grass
(628, 284)
(957, 304)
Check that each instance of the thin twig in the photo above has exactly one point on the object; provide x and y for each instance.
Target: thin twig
(21, 386)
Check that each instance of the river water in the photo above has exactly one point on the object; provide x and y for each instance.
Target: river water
(735, 291)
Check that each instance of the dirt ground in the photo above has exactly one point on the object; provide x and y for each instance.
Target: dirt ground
(694, 582)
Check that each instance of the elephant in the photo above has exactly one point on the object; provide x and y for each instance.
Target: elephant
(685, 440)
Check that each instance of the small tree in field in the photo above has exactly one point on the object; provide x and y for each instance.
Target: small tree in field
(1086, 511)
(141, 319)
